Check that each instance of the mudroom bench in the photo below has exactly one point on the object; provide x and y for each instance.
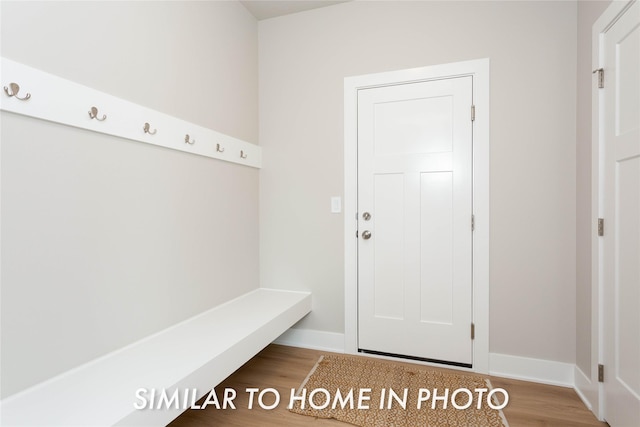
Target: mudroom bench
(197, 353)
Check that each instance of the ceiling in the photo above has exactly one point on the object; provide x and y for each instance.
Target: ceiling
(265, 9)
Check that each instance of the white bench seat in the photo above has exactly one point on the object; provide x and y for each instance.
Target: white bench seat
(197, 353)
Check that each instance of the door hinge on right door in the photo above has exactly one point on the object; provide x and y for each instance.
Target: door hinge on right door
(473, 113)
(600, 373)
(600, 226)
(600, 72)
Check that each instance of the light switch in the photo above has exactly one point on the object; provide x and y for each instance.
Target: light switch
(336, 205)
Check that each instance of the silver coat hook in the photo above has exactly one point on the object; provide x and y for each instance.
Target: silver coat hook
(147, 129)
(219, 149)
(13, 90)
(93, 113)
(186, 139)
(243, 155)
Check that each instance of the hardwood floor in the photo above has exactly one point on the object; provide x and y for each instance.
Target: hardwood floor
(284, 368)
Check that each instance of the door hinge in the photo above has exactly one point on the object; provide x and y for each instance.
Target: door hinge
(473, 331)
(600, 72)
(600, 373)
(473, 222)
(473, 113)
(600, 226)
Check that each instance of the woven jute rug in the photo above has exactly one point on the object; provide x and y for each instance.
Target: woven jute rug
(369, 392)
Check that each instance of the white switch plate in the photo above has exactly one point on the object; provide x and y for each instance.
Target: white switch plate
(336, 205)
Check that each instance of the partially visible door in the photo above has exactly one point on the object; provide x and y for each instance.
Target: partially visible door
(415, 220)
(621, 261)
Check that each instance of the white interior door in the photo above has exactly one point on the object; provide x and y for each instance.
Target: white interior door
(621, 261)
(415, 220)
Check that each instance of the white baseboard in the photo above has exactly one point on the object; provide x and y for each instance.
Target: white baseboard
(528, 369)
(500, 365)
(313, 339)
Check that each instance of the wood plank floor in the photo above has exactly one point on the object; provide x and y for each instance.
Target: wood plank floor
(284, 368)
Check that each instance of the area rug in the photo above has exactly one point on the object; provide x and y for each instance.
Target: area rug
(369, 392)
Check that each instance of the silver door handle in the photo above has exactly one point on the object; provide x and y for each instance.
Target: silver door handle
(366, 234)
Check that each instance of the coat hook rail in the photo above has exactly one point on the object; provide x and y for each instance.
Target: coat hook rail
(13, 90)
(93, 113)
(40, 95)
(147, 129)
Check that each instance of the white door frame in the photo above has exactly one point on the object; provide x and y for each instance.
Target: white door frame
(479, 69)
(590, 388)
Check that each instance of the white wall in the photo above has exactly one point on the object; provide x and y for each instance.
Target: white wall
(191, 59)
(532, 46)
(105, 240)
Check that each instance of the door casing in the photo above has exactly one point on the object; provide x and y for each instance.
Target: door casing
(479, 70)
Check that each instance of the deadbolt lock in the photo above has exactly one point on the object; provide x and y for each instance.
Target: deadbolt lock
(366, 216)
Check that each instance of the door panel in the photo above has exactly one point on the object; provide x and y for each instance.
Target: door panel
(389, 233)
(414, 126)
(436, 261)
(627, 291)
(415, 180)
(621, 244)
(628, 70)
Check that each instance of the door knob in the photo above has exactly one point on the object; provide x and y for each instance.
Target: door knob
(366, 234)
